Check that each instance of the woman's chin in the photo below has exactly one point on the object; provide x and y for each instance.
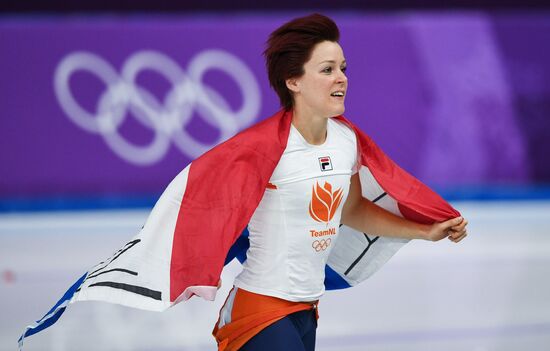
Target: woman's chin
(338, 111)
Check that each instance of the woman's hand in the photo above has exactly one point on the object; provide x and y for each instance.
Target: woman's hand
(454, 229)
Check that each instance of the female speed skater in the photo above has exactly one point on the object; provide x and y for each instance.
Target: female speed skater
(314, 188)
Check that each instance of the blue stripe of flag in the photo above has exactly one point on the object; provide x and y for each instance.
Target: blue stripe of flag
(54, 313)
(333, 280)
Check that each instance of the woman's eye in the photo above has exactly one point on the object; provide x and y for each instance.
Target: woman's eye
(344, 69)
(327, 70)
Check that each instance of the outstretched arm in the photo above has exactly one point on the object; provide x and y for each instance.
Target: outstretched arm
(364, 216)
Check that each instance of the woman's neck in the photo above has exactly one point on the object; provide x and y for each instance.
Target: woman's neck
(312, 128)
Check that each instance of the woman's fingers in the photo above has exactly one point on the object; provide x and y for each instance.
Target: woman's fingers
(456, 234)
(456, 229)
(453, 222)
(458, 237)
(460, 227)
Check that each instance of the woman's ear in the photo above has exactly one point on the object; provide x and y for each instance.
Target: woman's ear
(293, 85)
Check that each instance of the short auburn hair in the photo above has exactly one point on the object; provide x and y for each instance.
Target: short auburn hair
(290, 46)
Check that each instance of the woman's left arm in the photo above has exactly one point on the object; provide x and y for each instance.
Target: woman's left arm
(364, 216)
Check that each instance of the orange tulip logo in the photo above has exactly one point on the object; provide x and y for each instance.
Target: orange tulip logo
(324, 202)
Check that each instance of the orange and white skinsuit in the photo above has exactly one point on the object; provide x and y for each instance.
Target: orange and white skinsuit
(291, 235)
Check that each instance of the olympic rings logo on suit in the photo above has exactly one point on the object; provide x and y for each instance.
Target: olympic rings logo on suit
(167, 119)
(321, 245)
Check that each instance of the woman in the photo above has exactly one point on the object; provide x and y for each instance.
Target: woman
(293, 180)
(273, 303)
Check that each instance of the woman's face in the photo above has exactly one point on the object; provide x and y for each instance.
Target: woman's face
(321, 90)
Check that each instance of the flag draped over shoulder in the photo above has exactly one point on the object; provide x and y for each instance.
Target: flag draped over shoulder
(199, 224)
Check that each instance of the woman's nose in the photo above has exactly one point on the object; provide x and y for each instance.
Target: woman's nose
(342, 78)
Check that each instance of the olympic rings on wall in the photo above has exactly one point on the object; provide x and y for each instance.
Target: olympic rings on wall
(167, 119)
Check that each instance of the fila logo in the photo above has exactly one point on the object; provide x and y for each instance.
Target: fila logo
(325, 163)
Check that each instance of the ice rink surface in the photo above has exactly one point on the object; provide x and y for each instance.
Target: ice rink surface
(490, 292)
